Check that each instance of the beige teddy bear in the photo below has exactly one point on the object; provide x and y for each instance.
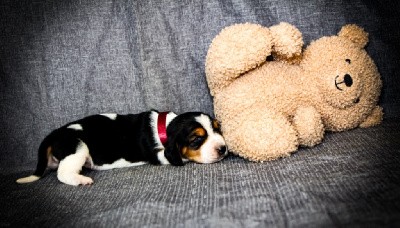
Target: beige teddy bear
(272, 97)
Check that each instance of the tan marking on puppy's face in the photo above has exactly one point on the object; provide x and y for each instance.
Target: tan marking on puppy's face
(197, 138)
(216, 125)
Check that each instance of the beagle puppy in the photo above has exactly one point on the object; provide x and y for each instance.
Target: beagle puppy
(108, 141)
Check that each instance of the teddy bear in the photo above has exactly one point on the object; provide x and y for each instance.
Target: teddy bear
(272, 95)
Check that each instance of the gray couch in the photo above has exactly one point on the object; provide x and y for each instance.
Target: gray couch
(63, 60)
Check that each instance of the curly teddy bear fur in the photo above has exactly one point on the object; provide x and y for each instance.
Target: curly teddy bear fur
(272, 96)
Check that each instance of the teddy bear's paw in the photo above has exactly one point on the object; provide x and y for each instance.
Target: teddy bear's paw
(309, 126)
(260, 135)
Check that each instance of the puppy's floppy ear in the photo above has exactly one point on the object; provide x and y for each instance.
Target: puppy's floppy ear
(172, 152)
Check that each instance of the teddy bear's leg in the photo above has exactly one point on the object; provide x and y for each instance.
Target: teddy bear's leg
(259, 135)
(309, 126)
(237, 49)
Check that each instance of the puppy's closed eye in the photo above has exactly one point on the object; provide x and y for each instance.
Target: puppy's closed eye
(196, 142)
(197, 137)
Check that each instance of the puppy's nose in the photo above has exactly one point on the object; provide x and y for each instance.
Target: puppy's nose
(222, 150)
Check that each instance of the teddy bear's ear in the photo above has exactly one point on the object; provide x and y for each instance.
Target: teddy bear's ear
(354, 33)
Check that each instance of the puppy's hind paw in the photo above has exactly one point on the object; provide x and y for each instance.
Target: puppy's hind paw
(83, 180)
(75, 179)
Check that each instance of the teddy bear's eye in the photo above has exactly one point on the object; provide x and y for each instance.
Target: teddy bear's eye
(348, 61)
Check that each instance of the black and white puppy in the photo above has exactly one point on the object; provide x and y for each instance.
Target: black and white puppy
(108, 141)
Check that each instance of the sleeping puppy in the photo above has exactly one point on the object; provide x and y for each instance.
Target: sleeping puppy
(108, 141)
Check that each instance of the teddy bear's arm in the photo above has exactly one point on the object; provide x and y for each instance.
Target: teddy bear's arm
(308, 124)
(374, 118)
(288, 42)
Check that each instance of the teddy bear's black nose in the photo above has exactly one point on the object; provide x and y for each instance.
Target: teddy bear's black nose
(348, 80)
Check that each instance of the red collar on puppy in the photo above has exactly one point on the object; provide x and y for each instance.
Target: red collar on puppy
(162, 127)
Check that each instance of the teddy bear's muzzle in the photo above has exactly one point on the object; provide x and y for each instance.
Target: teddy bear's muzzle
(347, 80)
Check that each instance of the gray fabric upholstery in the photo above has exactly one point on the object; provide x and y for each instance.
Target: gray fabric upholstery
(62, 60)
(352, 179)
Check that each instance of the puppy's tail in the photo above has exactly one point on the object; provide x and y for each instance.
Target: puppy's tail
(45, 150)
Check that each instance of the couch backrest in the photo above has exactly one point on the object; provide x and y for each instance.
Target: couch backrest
(62, 60)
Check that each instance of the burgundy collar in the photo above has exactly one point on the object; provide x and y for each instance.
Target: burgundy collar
(162, 127)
